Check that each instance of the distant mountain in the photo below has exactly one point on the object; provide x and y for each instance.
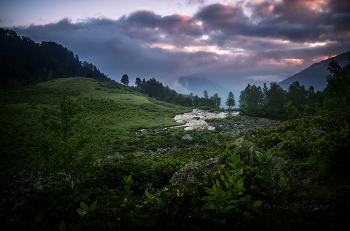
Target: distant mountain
(197, 85)
(315, 75)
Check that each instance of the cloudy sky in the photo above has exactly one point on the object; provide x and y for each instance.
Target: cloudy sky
(231, 43)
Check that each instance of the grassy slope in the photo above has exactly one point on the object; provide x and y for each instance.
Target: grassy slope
(118, 120)
(116, 111)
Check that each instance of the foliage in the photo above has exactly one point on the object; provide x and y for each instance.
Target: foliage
(230, 102)
(67, 152)
(339, 79)
(125, 80)
(24, 62)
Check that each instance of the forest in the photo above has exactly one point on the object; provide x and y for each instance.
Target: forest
(24, 62)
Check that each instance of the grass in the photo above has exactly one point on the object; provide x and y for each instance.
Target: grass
(119, 113)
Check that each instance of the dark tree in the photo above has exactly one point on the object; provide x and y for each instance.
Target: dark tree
(338, 82)
(230, 102)
(125, 79)
(138, 83)
(206, 96)
(89, 74)
(216, 99)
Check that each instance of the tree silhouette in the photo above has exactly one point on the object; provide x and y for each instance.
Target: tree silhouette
(125, 79)
(89, 74)
(230, 102)
(339, 79)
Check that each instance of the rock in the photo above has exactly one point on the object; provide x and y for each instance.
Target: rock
(278, 163)
(186, 137)
(317, 131)
(187, 173)
(251, 149)
(278, 147)
(55, 109)
(38, 186)
(238, 142)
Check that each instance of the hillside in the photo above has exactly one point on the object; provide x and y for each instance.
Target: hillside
(267, 174)
(315, 75)
(24, 62)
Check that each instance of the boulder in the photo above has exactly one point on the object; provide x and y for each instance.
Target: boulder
(238, 142)
(278, 163)
(278, 147)
(187, 173)
(186, 137)
(251, 149)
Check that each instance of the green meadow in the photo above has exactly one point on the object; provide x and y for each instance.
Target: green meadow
(242, 194)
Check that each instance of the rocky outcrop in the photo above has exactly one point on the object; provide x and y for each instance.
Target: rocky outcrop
(187, 173)
(244, 123)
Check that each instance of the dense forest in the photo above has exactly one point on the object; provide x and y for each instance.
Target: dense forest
(274, 102)
(24, 62)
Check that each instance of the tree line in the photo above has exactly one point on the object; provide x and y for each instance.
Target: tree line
(24, 62)
(272, 101)
(157, 90)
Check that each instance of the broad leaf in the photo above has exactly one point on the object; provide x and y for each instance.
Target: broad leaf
(228, 209)
(84, 206)
(93, 206)
(209, 205)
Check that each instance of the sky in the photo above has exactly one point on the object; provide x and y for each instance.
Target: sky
(232, 43)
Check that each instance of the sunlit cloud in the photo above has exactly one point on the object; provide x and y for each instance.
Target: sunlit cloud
(283, 62)
(320, 58)
(316, 44)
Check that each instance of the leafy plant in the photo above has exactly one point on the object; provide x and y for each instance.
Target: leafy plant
(85, 209)
(265, 160)
(128, 181)
(39, 223)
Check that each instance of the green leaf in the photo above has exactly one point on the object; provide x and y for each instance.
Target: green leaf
(84, 206)
(39, 218)
(209, 205)
(208, 198)
(81, 212)
(63, 226)
(149, 196)
(227, 195)
(228, 209)
(219, 222)
(93, 206)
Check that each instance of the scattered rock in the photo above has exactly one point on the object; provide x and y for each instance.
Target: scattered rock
(186, 137)
(238, 142)
(278, 163)
(187, 173)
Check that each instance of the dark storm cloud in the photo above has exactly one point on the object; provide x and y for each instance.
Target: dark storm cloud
(146, 25)
(138, 43)
(294, 20)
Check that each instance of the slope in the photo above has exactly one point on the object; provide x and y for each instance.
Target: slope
(315, 75)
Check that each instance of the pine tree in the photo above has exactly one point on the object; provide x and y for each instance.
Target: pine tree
(230, 102)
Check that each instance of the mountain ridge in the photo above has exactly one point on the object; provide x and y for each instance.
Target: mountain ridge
(315, 75)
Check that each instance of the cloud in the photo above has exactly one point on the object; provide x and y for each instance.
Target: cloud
(229, 43)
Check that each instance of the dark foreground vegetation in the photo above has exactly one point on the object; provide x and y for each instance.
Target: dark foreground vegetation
(311, 192)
